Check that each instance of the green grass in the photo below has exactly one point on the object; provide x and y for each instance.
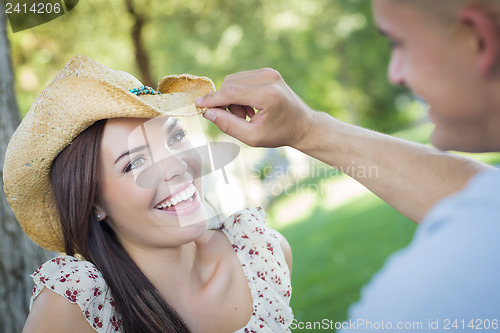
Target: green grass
(337, 250)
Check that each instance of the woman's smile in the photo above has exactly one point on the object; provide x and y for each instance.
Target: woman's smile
(184, 202)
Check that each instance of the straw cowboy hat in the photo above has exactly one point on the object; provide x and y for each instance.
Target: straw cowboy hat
(81, 94)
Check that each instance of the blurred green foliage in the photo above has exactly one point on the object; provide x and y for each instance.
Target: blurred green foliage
(328, 51)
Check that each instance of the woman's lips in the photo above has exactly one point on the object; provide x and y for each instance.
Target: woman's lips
(179, 197)
(182, 203)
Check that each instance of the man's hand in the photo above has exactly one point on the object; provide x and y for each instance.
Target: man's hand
(264, 111)
(408, 176)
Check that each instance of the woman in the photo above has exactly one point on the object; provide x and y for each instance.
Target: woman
(90, 173)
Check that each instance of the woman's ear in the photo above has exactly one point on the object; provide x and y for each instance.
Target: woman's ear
(100, 214)
(485, 31)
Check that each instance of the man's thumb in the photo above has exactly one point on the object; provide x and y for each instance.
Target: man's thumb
(229, 123)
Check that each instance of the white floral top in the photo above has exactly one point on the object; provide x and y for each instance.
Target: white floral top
(258, 250)
(81, 283)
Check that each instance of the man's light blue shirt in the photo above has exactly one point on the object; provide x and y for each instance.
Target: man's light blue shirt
(447, 276)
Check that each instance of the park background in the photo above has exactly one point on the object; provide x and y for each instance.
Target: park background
(329, 53)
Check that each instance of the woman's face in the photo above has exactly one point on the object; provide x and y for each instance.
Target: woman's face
(151, 193)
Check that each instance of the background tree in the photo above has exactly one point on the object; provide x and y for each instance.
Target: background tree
(19, 256)
(328, 51)
(141, 55)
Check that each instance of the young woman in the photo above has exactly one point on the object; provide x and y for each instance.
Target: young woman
(101, 170)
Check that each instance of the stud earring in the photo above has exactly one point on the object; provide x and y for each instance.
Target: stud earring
(99, 216)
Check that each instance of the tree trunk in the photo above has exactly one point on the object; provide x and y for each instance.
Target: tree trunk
(141, 55)
(19, 256)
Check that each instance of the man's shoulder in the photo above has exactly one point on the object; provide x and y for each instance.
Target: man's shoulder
(450, 269)
(474, 206)
(483, 185)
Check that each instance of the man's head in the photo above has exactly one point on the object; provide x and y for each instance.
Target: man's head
(445, 11)
(448, 52)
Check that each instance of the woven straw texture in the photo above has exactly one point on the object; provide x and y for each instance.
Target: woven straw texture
(81, 94)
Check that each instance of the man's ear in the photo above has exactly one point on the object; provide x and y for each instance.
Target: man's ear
(485, 31)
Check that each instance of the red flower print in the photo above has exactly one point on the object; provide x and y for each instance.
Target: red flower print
(97, 322)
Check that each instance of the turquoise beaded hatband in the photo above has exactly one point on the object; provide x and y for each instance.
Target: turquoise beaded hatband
(144, 90)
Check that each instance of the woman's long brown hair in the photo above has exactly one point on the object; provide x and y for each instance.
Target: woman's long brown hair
(75, 177)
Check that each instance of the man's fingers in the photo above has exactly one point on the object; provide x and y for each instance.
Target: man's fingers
(244, 88)
(239, 110)
(250, 111)
(254, 77)
(230, 124)
(232, 94)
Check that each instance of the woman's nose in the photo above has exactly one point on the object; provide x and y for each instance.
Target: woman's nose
(173, 165)
(164, 169)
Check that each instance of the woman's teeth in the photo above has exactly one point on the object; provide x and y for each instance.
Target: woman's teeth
(179, 197)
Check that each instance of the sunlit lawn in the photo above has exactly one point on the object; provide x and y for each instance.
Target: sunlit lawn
(337, 250)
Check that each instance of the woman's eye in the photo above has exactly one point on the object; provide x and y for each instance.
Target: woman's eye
(135, 163)
(176, 137)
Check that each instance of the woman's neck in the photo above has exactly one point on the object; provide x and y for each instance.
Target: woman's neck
(173, 268)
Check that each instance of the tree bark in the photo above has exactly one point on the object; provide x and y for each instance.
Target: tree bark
(19, 256)
(141, 55)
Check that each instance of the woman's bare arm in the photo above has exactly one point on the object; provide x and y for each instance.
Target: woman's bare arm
(52, 313)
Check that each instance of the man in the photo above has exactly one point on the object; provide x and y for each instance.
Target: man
(447, 52)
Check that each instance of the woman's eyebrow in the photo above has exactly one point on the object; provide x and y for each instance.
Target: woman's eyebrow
(174, 123)
(128, 152)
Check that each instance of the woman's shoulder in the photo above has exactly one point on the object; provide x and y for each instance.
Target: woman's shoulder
(53, 313)
(264, 255)
(248, 218)
(69, 265)
(81, 283)
(77, 276)
(248, 226)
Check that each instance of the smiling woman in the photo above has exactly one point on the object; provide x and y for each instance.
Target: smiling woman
(161, 169)
(101, 170)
